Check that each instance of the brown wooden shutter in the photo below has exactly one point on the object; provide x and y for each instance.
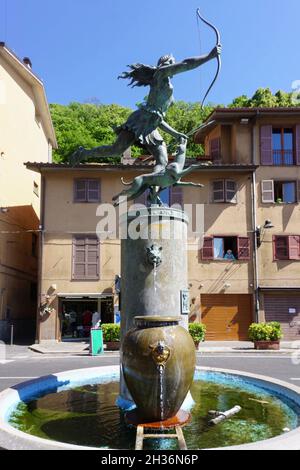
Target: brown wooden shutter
(266, 145)
(176, 196)
(92, 258)
(208, 248)
(297, 144)
(85, 257)
(215, 149)
(294, 247)
(218, 193)
(80, 191)
(281, 250)
(243, 248)
(79, 257)
(93, 190)
(231, 191)
(267, 191)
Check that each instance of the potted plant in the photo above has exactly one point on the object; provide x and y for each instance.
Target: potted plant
(111, 336)
(266, 335)
(197, 332)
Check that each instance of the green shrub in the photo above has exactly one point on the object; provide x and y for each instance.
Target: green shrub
(197, 331)
(265, 331)
(111, 332)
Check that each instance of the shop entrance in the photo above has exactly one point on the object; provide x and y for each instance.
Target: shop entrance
(76, 316)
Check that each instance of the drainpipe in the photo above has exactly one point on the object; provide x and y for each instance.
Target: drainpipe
(41, 253)
(254, 226)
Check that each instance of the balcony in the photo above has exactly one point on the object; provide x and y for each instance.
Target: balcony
(283, 157)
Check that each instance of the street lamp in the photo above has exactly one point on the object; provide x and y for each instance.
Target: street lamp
(260, 231)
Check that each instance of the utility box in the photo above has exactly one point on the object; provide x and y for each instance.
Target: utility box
(96, 346)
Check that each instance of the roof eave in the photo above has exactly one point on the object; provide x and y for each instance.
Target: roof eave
(54, 167)
(38, 90)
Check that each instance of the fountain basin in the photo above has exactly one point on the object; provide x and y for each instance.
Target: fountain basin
(11, 438)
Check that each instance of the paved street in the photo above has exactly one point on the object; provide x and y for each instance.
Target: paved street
(21, 364)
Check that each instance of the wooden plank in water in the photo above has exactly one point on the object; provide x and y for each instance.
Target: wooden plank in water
(139, 438)
(181, 440)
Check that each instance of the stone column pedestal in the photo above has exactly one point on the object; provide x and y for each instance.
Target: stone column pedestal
(147, 288)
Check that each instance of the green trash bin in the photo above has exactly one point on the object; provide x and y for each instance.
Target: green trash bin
(96, 342)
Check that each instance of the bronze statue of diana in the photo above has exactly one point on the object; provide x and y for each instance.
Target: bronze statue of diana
(142, 125)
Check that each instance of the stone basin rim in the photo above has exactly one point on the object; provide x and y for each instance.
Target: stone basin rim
(13, 439)
(157, 319)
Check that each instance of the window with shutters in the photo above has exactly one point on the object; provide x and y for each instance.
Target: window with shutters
(224, 191)
(86, 190)
(226, 248)
(85, 258)
(280, 192)
(280, 146)
(283, 146)
(286, 247)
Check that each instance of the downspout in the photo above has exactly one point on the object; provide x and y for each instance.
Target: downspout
(41, 255)
(254, 227)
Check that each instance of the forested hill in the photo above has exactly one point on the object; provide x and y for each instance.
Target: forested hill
(91, 125)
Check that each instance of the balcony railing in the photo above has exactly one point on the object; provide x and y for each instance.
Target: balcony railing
(283, 157)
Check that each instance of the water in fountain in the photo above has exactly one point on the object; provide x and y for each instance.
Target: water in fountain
(154, 278)
(63, 416)
(161, 391)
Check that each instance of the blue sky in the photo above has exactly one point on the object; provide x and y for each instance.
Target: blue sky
(78, 47)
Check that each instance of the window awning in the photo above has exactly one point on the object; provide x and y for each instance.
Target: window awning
(71, 296)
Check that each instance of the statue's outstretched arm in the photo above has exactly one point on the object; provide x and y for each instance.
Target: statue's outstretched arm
(187, 183)
(167, 128)
(189, 64)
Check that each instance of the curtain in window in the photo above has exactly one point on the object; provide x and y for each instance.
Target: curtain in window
(218, 248)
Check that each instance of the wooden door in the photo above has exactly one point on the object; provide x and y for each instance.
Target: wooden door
(227, 316)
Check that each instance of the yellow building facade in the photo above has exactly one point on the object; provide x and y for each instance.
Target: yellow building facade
(26, 134)
(245, 267)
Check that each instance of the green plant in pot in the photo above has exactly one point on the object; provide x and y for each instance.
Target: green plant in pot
(265, 335)
(197, 332)
(111, 335)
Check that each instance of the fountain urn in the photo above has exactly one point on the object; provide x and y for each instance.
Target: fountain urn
(158, 362)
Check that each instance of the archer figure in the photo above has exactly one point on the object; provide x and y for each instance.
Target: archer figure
(141, 126)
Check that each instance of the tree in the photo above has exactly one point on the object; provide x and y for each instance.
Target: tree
(263, 97)
(88, 125)
(92, 124)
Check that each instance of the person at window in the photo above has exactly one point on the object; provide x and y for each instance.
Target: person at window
(229, 255)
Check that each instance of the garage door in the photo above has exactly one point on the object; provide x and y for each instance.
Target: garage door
(227, 317)
(286, 310)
